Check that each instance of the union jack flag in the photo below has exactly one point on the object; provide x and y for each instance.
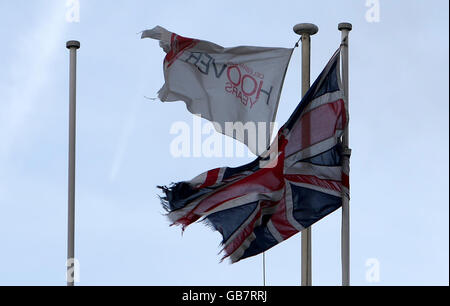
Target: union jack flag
(263, 203)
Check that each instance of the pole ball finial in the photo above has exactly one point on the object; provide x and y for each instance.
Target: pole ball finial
(73, 44)
(345, 26)
(306, 28)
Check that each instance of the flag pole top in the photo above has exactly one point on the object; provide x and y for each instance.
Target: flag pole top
(73, 44)
(345, 26)
(306, 28)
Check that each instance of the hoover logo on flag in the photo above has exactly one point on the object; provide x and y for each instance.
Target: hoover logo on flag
(247, 87)
(240, 80)
(223, 85)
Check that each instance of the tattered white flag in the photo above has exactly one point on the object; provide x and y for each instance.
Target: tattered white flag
(238, 89)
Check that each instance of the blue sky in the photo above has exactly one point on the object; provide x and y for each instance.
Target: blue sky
(399, 135)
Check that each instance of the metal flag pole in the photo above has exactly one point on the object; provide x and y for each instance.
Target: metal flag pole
(73, 46)
(306, 30)
(345, 29)
(264, 269)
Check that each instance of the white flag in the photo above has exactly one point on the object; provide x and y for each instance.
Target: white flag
(238, 89)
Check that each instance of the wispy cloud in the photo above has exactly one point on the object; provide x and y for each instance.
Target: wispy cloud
(122, 144)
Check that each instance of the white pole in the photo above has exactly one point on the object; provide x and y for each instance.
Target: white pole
(73, 46)
(306, 30)
(264, 269)
(345, 29)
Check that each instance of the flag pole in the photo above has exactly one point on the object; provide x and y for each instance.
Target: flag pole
(306, 30)
(264, 269)
(73, 46)
(345, 29)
